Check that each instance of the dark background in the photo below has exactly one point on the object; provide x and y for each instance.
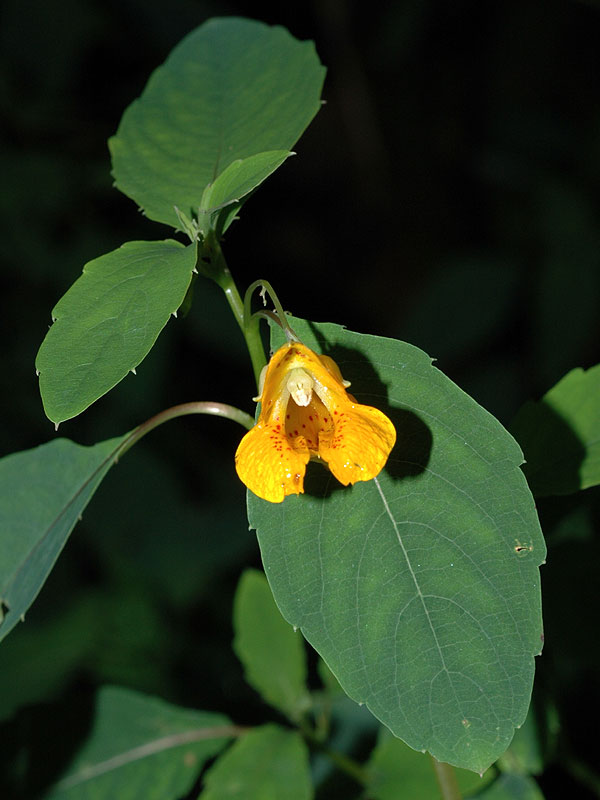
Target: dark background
(446, 194)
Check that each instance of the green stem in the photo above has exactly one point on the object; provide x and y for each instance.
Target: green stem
(346, 764)
(342, 761)
(582, 773)
(446, 779)
(213, 265)
(206, 407)
(281, 315)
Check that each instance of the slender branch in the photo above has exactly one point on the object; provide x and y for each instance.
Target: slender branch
(199, 407)
(212, 264)
(342, 761)
(582, 773)
(346, 764)
(446, 779)
(281, 315)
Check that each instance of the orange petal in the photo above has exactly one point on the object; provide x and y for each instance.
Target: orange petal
(359, 445)
(308, 421)
(269, 465)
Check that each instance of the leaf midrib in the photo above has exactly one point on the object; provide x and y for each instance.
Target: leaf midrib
(146, 750)
(417, 588)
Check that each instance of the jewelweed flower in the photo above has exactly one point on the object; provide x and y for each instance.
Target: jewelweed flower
(307, 413)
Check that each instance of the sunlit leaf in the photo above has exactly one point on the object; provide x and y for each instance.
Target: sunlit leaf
(232, 89)
(560, 435)
(239, 178)
(43, 493)
(271, 652)
(420, 588)
(268, 763)
(107, 322)
(140, 746)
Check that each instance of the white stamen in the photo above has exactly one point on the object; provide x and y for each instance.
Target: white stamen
(300, 386)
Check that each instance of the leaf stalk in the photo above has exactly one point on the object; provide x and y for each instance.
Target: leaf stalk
(446, 778)
(198, 407)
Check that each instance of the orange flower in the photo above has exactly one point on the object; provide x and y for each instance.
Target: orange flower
(307, 413)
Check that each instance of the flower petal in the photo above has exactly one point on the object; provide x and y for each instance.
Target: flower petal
(308, 421)
(359, 445)
(270, 465)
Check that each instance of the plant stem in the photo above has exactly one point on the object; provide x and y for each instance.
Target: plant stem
(342, 761)
(212, 264)
(206, 407)
(280, 317)
(346, 764)
(446, 779)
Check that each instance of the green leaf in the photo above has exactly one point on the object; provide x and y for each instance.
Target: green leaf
(395, 769)
(560, 435)
(271, 652)
(43, 493)
(525, 754)
(107, 322)
(232, 89)
(140, 746)
(239, 178)
(268, 763)
(420, 588)
(53, 651)
(509, 786)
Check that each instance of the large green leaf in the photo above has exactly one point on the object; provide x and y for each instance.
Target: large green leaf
(107, 322)
(560, 435)
(271, 652)
(232, 89)
(269, 763)
(142, 747)
(43, 493)
(420, 588)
